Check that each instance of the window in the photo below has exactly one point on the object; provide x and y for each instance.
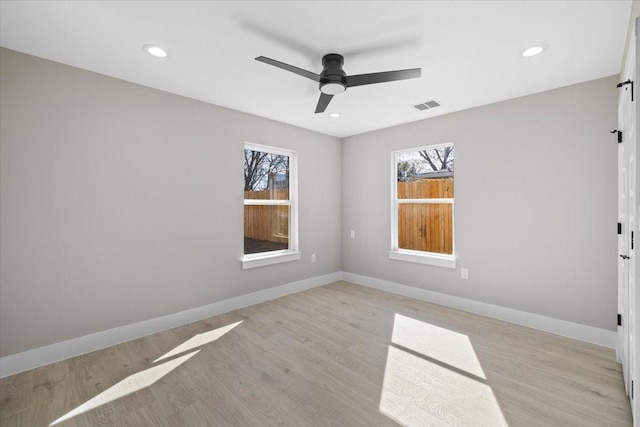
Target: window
(422, 205)
(270, 208)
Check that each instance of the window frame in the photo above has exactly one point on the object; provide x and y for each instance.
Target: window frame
(420, 257)
(261, 259)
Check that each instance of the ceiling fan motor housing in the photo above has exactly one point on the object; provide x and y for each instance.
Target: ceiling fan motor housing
(332, 77)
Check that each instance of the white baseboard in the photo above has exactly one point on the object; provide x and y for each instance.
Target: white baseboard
(564, 328)
(37, 357)
(30, 359)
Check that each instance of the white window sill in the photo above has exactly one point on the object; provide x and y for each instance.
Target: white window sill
(260, 260)
(446, 261)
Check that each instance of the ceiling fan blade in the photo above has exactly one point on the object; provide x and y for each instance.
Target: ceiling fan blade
(385, 76)
(299, 71)
(323, 102)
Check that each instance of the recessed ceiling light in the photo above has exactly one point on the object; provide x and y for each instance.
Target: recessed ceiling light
(334, 115)
(154, 50)
(534, 50)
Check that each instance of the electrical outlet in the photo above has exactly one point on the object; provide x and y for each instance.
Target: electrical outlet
(313, 257)
(353, 234)
(464, 273)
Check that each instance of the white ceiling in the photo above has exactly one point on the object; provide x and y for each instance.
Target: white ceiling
(469, 51)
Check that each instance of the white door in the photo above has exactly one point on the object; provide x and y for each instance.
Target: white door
(623, 244)
(627, 216)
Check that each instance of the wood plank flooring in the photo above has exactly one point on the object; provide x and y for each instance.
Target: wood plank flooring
(337, 355)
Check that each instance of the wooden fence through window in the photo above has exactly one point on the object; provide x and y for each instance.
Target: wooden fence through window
(426, 226)
(268, 223)
(421, 226)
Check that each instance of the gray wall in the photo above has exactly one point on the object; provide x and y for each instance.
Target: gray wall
(121, 203)
(535, 203)
(631, 30)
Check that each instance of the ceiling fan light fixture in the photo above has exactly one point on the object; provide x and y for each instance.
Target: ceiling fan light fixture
(332, 88)
(534, 50)
(154, 50)
(334, 115)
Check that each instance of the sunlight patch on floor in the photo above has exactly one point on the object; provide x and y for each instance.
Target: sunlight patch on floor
(433, 377)
(198, 340)
(146, 378)
(450, 347)
(129, 385)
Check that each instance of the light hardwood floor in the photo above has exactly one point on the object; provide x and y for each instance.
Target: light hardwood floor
(337, 355)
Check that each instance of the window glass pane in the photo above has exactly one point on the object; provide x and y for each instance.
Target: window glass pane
(426, 227)
(266, 228)
(266, 175)
(426, 174)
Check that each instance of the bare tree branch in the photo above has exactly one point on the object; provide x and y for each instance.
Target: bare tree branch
(425, 155)
(445, 160)
(258, 166)
(438, 158)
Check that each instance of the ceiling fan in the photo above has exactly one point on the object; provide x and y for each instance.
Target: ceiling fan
(333, 80)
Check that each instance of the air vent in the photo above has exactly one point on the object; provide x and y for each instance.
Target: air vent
(427, 105)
